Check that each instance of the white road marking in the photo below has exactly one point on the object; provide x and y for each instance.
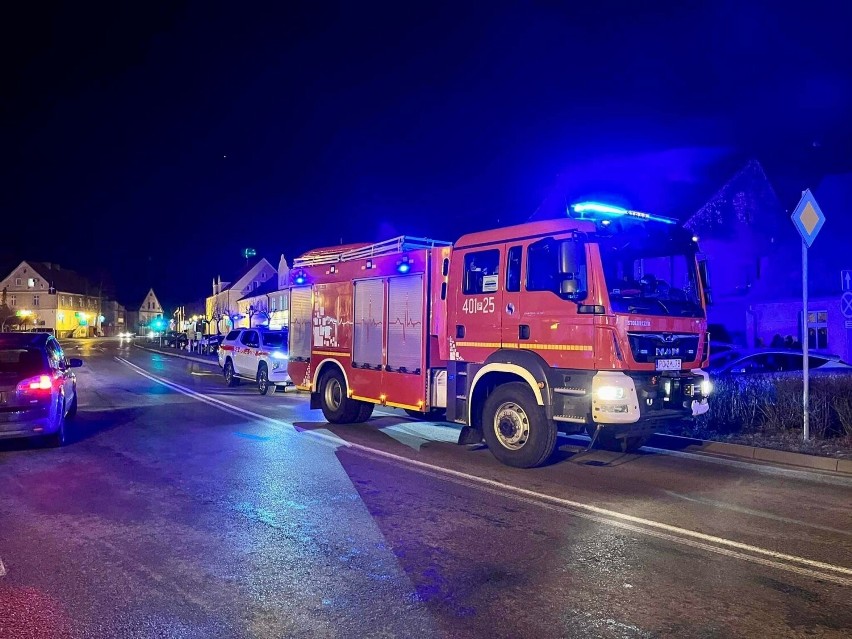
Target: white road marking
(2, 569)
(676, 534)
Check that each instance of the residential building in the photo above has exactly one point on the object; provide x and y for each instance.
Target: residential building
(115, 318)
(268, 305)
(255, 308)
(222, 307)
(754, 255)
(139, 316)
(44, 295)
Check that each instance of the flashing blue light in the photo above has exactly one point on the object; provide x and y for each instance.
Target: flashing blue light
(608, 210)
(300, 279)
(597, 207)
(404, 267)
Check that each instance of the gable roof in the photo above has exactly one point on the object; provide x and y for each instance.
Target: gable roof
(748, 198)
(245, 271)
(63, 280)
(268, 287)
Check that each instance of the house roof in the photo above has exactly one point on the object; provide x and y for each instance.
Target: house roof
(244, 271)
(268, 287)
(64, 280)
(137, 298)
(746, 198)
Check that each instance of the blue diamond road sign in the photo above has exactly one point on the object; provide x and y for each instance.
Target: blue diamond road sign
(808, 217)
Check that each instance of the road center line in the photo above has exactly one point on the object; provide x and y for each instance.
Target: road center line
(676, 534)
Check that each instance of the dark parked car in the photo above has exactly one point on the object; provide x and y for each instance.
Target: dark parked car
(210, 343)
(173, 338)
(38, 391)
(764, 361)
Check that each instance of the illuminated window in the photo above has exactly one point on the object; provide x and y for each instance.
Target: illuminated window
(818, 330)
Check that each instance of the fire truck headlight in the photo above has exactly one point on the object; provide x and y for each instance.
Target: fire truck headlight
(610, 392)
(706, 387)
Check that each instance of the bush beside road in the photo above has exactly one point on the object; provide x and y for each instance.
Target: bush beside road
(766, 411)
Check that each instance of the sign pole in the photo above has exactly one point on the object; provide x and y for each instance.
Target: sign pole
(805, 345)
(808, 220)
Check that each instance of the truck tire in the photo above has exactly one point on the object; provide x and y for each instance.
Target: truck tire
(516, 428)
(335, 402)
(365, 412)
(231, 378)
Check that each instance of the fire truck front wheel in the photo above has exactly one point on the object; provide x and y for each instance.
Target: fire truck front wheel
(336, 404)
(516, 428)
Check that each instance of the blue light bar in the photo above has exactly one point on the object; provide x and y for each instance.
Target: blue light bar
(598, 209)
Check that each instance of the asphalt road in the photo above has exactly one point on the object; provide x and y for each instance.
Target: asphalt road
(183, 508)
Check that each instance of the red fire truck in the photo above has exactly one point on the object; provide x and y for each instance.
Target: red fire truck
(595, 323)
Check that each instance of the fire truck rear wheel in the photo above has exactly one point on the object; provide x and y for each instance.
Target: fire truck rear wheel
(516, 428)
(365, 412)
(336, 404)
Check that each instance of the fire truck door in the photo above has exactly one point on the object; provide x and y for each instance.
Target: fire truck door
(549, 320)
(515, 330)
(476, 320)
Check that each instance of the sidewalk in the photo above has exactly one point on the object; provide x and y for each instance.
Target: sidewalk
(154, 347)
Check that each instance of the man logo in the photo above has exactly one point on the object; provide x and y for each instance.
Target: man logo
(667, 352)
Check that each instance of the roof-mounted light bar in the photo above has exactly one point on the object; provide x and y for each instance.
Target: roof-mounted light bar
(598, 209)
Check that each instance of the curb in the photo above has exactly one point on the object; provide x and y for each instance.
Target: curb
(802, 460)
(189, 358)
(684, 444)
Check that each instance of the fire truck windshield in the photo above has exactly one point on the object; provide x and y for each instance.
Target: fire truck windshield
(645, 281)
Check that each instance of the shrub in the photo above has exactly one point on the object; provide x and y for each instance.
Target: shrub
(773, 404)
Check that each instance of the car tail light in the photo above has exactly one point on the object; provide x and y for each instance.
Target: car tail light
(36, 385)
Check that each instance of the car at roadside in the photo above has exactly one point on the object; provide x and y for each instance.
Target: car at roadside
(772, 361)
(38, 390)
(258, 355)
(175, 339)
(210, 344)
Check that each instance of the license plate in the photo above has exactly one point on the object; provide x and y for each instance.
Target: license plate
(668, 364)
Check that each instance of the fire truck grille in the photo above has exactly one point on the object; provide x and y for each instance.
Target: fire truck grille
(647, 347)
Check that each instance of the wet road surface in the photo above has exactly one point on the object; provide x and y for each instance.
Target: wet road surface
(183, 508)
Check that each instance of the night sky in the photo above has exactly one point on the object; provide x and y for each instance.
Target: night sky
(155, 141)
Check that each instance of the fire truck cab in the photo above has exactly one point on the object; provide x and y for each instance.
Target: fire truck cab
(592, 323)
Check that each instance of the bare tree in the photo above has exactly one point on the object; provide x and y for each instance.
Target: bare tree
(259, 308)
(6, 313)
(233, 315)
(218, 313)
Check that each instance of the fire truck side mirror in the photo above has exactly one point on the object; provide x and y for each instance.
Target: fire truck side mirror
(572, 264)
(705, 279)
